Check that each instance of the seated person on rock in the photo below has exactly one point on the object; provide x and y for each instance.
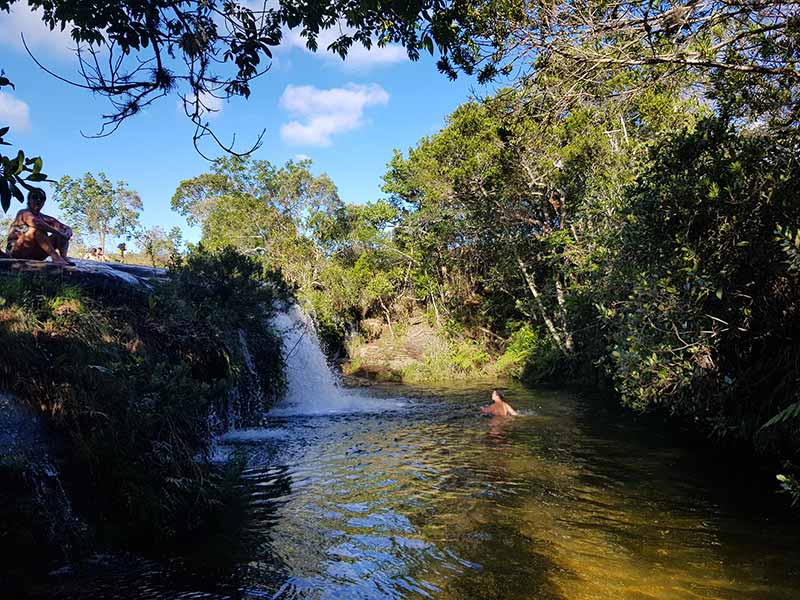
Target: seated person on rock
(35, 236)
(96, 254)
(499, 408)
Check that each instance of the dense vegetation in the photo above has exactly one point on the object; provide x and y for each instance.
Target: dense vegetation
(638, 227)
(133, 384)
(623, 209)
(652, 239)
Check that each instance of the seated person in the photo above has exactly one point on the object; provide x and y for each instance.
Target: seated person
(96, 254)
(499, 408)
(35, 236)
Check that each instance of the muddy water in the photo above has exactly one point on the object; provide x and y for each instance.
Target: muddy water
(422, 498)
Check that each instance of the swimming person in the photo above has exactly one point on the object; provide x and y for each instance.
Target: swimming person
(500, 408)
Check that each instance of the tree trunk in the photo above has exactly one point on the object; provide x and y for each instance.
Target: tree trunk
(436, 311)
(388, 317)
(542, 310)
(103, 240)
(569, 344)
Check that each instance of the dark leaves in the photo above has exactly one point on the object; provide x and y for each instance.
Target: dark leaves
(5, 195)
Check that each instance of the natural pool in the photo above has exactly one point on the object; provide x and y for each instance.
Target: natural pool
(411, 494)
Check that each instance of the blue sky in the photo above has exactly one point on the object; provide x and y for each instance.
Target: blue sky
(346, 116)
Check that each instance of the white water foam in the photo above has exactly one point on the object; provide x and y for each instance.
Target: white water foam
(312, 387)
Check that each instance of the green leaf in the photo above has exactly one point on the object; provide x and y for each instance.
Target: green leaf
(5, 195)
(3, 131)
(20, 163)
(37, 165)
(789, 413)
(16, 192)
(36, 177)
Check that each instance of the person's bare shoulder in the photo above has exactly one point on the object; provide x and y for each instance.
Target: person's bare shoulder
(24, 216)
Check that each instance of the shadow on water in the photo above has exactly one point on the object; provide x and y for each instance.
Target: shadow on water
(227, 565)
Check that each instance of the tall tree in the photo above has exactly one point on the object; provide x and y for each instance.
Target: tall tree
(160, 245)
(260, 208)
(98, 207)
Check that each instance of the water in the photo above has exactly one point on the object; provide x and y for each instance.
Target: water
(400, 493)
(313, 388)
(433, 501)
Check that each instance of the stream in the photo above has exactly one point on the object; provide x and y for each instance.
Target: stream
(400, 493)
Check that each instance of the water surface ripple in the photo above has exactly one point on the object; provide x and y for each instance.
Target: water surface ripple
(432, 501)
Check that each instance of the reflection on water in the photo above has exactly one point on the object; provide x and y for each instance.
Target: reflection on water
(433, 501)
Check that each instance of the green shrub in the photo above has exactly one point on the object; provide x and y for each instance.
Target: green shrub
(129, 383)
(457, 361)
(518, 353)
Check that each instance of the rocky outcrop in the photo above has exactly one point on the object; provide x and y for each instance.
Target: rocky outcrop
(88, 274)
(383, 354)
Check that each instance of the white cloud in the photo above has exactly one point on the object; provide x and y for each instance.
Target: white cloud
(14, 113)
(23, 20)
(300, 157)
(324, 113)
(358, 57)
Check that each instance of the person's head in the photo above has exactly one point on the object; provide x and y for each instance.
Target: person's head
(36, 200)
(497, 396)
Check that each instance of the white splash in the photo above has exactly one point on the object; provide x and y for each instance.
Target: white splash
(312, 386)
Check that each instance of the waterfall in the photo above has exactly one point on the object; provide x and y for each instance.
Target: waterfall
(312, 386)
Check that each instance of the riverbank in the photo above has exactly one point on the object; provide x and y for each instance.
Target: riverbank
(415, 351)
(125, 382)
